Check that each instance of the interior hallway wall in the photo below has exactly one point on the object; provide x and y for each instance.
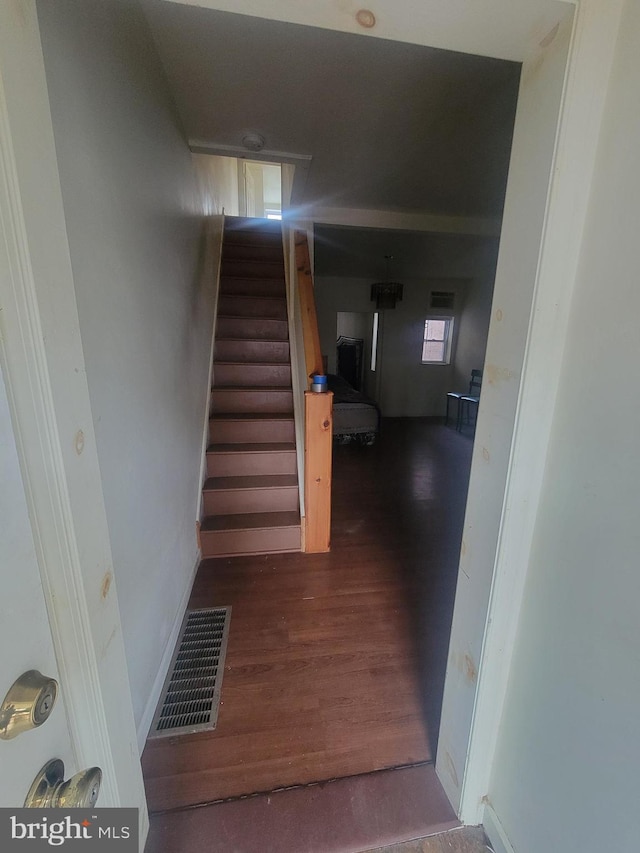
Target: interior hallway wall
(218, 183)
(133, 213)
(565, 775)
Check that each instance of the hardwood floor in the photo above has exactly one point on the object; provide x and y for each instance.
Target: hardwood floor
(467, 839)
(336, 661)
(344, 816)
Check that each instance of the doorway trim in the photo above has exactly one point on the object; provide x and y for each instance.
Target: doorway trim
(590, 59)
(43, 365)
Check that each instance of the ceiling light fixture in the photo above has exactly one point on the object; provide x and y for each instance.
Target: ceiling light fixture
(253, 141)
(386, 293)
(366, 18)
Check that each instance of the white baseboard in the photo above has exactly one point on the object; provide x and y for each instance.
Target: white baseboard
(495, 831)
(165, 663)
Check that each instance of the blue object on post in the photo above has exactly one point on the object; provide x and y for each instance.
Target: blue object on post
(318, 383)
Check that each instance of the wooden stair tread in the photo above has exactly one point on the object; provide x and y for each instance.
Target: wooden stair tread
(235, 282)
(229, 277)
(256, 320)
(239, 285)
(222, 315)
(254, 243)
(254, 228)
(250, 297)
(253, 416)
(255, 239)
(248, 223)
(252, 340)
(251, 521)
(250, 305)
(279, 364)
(253, 447)
(252, 328)
(259, 389)
(260, 481)
(254, 262)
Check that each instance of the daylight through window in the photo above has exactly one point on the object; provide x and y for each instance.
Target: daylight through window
(436, 343)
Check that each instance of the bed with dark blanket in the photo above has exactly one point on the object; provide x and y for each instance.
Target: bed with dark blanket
(355, 417)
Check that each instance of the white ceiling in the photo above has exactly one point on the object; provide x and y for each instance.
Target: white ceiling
(505, 29)
(390, 126)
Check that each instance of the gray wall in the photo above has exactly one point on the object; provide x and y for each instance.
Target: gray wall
(473, 323)
(133, 220)
(566, 770)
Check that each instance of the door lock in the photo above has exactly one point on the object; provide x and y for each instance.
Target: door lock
(28, 704)
(50, 791)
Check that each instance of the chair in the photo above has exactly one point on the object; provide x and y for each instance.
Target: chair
(464, 400)
(472, 399)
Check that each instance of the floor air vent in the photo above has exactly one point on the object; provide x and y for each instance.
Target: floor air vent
(191, 694)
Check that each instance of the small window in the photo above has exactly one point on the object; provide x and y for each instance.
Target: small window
(436, 343)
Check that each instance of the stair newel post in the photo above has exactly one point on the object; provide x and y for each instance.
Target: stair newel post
(317, 461)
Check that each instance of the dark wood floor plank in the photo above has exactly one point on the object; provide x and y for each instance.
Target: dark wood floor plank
(335, 663)
(345, 816)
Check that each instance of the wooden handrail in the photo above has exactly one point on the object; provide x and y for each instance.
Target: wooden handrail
(318, 414)
(312, 350)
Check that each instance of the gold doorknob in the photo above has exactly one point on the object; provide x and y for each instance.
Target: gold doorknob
(28, 704)
(50, 791)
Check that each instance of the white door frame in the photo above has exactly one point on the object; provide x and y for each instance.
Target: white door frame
(595, 29)
(43, 364)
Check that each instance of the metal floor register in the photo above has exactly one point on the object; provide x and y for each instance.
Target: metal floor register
(191, 694)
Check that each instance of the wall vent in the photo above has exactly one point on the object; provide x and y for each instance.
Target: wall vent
(442, 299)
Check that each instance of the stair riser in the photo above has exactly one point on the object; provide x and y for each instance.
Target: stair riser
(250, 464)
(229, 543)
(224, 400)
(251, 374)
(231, 502)
(253, 328)
(248, 232)
(252, 306)
(268, 352)
(252, 269)
(252, 286)
(240, 432)
(270, 251)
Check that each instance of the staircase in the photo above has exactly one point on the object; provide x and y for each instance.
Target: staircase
(251, 492)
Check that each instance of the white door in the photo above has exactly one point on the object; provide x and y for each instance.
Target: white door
(58, 601)
(25, 636)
